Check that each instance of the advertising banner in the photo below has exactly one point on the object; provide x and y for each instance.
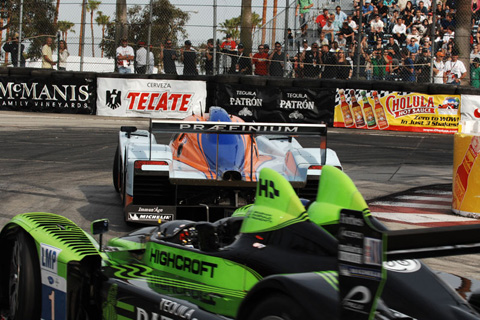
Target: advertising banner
(150, 98)
(397, 111)
(466, 175)
(276, 104)
(470, 107)
(47, 94)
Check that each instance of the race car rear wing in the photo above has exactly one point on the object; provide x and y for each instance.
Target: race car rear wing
(364, 245)
(282, 129)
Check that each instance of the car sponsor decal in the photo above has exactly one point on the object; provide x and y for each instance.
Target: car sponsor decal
(49, 257)
(403, 266)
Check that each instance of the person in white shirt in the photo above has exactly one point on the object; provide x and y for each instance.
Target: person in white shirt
(125, 56)
(438, 67)
(141, 59)
(399, 31)
(455, 70)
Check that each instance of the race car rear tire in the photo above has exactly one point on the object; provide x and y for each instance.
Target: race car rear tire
(24, 279)
(116, 171)
(277, 306)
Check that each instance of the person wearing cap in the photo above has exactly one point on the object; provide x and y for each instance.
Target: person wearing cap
(455, 70)
(229, 49)
(367, 8)
(188, 56)
(244, 63)
(305, 46)
(475, 73)
(168, 56)
(125, 56)
(141, 59)
(11, 46)
(438, 67)
(423, 66)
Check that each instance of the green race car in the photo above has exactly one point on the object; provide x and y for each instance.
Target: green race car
(279, 258)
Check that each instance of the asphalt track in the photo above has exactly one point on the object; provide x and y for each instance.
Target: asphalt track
(63, 164)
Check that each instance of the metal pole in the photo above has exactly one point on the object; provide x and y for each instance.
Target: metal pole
(214, 37)
(82, 45)
(58, 50)
(359, 42)
(149, 37)
(20, 35)
(432, 38)
(285, 39)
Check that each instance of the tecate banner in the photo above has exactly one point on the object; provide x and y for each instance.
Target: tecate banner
(151, 98)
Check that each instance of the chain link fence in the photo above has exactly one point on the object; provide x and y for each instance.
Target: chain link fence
(397, 40)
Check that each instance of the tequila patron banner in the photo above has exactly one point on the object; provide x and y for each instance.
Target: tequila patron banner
(397, 111)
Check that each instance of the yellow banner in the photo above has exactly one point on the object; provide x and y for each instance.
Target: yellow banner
(385, 110)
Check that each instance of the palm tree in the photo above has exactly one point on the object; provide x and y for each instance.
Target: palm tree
(92, 5)
(231, 26)
(104, 21)
(64, 27)
(57, 8)
(256, 21)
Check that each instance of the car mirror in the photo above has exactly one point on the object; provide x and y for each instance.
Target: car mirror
(99, 226)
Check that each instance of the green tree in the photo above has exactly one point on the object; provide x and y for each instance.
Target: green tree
(167, 22)
(92, 5)
(104, 21)
(38, 17)
(232, 27)
(64, 27)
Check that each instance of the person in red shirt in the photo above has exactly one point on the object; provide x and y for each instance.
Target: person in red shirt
(260, 61)
(322, 19)
(228, 48)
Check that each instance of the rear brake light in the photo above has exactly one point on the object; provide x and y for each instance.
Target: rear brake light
(315, 167)
(139, 164)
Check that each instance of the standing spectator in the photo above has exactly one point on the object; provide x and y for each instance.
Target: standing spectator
(455, 70)
(321, 20)
(228, 48)
(290, 37)
(188, 56)
(47, 59)
(379, 65)
(302, 11)
(438, 67)
(423, 66)
(329, 61)
(260, 61)
(475, 73)
(407, 70)
(209, 57)
(277, 58)
(63, 55)
(368, 64)
(11, 46)
(244, 64)
(168, 56)
(151, 61)
(343, 66)
(141, 59)
(311, 60)
(125, 56)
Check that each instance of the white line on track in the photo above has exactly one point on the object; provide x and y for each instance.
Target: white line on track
(410, 205)
(425, 198)
(420, 218)
(439, 192)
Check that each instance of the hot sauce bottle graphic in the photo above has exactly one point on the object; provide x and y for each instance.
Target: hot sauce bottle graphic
(461, 176)
(357, 111)
(347, 114)
(380, 112)
(368, 110)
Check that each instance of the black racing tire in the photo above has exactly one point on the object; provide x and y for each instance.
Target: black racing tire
(116, 171)
(24, 283)
(277, 306)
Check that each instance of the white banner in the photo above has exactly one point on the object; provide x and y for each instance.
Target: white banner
(151, 98)
(470, 109)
